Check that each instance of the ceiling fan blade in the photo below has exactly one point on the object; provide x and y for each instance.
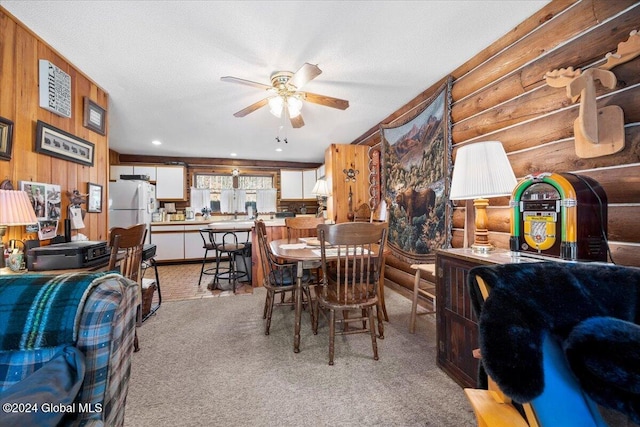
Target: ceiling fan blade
(251, 108)
(305, 74)
(325, 100)
(245, 82)
(297, 122)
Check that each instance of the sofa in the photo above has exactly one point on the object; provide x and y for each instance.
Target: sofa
(65, 348)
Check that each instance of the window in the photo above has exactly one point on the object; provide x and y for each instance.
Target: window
(218, 182)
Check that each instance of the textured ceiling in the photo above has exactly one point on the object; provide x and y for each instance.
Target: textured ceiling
(161, 63)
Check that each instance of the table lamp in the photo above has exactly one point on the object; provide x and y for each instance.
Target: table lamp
(321, 190)
(15, 209)
(481, 171)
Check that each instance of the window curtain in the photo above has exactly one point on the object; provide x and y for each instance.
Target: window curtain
(266, 200)
(200, 198)
(227, 199)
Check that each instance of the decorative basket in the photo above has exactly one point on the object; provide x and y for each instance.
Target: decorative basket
(148, 290)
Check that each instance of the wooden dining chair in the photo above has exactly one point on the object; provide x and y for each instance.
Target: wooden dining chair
(302, 226)
(278, 278)
(362, 214)
(126, 256)
(351, 262)
(305, 226)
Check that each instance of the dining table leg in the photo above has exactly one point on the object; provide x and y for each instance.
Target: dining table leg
(298, 306)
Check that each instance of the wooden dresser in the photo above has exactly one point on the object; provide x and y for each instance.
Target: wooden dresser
(457, 327)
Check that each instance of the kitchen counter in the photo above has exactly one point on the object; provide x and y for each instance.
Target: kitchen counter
(269, 222)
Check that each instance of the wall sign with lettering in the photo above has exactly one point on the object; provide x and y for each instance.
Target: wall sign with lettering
(55, 89)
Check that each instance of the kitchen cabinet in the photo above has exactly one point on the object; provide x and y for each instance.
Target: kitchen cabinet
(116, 170)
(308, 182)
(170, 183)
(290, 184)
(297, 184)
(193, 244)
(457, 325)
(145, 170)
(169, 241)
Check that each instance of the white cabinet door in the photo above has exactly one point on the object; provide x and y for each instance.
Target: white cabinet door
(169, 241)
(308, 182)
(145, 170)
(116, 170)
(193, 244)
(290, 184)
(170, 183)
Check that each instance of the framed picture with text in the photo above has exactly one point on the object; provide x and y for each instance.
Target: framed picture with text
(95, 116)
(94, 198)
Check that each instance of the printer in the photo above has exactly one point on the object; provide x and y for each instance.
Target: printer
(70, 255)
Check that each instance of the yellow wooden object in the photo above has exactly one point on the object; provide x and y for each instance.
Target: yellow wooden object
(492, 413)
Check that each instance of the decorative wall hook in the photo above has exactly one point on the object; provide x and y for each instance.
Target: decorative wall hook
(351, 173)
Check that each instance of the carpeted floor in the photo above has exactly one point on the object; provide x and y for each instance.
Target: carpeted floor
(207, 362)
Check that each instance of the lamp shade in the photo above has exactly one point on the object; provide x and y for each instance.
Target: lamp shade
(482, 170)
(16, 208)
(321, 188)
(293, 104)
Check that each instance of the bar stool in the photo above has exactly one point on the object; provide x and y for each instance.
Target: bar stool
(208, 244)
(230, 248)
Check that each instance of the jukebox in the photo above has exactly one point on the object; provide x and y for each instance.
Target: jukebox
(561, 215)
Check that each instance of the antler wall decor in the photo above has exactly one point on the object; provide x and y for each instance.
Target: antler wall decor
(597, 131)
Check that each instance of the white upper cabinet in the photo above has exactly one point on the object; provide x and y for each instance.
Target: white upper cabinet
(290, 184)
(170, 183)
(297, 184)
(308, 182)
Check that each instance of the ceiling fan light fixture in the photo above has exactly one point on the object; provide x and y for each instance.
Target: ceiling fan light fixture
(276, 104)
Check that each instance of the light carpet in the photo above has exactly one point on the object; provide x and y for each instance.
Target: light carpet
(207, 362)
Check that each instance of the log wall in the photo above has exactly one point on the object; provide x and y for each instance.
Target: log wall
(500, 94)
(20, 50)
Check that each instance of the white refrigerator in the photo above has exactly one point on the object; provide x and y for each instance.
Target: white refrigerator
(131, 203)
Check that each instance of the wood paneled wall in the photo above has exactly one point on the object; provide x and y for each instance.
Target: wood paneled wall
(20, 50)
(500, 94)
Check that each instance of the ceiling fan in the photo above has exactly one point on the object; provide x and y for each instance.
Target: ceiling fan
(285, 98)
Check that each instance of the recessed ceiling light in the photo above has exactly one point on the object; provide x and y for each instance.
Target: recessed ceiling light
(156, 142)
(278, 149)
(233, 154)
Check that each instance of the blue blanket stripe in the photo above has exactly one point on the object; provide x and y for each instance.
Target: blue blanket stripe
(42, 310)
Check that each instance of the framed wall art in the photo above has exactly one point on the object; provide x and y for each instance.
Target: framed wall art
(45, 199)
(94, 198)
(416, 170)
(95, 117)
(58, 143)
(55, 89)
(6, 138)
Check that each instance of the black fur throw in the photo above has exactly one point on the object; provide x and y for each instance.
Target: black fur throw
(592, 308)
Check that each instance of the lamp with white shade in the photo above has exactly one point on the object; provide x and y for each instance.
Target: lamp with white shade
(481, 171)
(15, 209)
(322, 191)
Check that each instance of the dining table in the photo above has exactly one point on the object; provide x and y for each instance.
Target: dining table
(306, 253)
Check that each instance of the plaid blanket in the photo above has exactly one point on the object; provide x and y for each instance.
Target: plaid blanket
(38, 311)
